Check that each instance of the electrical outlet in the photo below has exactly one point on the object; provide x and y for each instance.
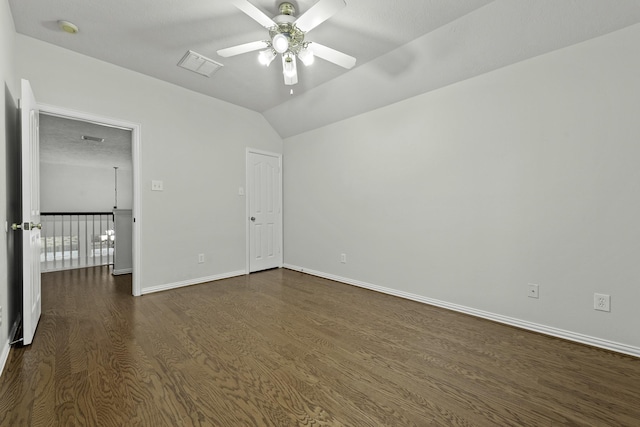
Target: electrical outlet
(602, 302)
(200, 258)
(157, 185)
(533, 290)
(343, 258)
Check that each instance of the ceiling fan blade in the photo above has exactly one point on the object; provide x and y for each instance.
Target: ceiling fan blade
(242, 48)
(332, 55)
(256, 14)
(319, 13)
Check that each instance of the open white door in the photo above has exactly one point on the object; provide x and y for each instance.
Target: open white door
(265, 210)
(31, 295)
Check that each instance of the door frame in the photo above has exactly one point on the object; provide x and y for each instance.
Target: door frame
(247, 207)
(136, 162)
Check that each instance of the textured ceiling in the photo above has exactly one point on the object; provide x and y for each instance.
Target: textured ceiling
(403, 48)
(61, 143)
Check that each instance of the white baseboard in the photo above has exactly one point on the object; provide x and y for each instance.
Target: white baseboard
(6, 349)
(511, 321)
(123, 271)
(5, 354)
(197, 281)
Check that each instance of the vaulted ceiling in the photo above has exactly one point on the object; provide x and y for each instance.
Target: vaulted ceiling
(403, 48)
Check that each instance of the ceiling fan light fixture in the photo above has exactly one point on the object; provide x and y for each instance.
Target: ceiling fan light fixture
(306, 56)
(289, 66)
(266, 57)
(287, 37)
(280, 43)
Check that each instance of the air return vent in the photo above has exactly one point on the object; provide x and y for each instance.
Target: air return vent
(197, 63)
(92, 138)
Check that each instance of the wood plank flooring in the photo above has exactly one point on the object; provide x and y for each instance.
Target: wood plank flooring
(281, 348)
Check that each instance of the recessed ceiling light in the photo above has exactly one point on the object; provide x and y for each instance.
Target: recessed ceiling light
(68, 27)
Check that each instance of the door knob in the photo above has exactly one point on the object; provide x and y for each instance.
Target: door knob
(38, 226)
(253, 218)
(15, 226)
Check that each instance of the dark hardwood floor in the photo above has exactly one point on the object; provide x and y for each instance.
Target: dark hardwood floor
(281, 348)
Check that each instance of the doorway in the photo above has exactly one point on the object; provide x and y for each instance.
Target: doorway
(264, 210)
(129, 178)
(85, 190)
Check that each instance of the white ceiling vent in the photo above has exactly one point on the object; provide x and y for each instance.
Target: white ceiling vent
(197, 63)
(91, 138)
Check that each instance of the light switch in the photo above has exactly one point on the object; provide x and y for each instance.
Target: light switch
(157, 186)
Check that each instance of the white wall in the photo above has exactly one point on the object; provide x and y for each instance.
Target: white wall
(528, 174)
(7, 78)
(195, 144)
(74, 188)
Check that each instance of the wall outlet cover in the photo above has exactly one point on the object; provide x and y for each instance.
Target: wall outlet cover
(602, 302)
(157, 185)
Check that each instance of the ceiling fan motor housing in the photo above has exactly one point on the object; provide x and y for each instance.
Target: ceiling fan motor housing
(287, 8)
(286, 26)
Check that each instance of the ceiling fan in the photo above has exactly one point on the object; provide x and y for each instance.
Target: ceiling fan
(287, 37)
